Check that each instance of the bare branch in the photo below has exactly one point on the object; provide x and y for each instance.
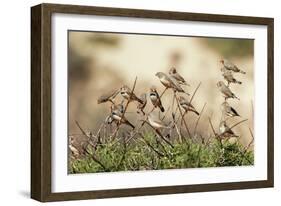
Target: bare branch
(244, 120)
(195, 92)
(182, 116)
(197, 121)
(83, 132)
(212, 126)
(177, 129)
(251, 142)
(151, 147)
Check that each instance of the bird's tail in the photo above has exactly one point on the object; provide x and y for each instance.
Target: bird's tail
(242, 72)
(130, 124)
(161, 108)
(185, 84)
(236, 97)
(196, 112)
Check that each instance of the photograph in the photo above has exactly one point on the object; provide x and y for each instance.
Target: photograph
(153, 102)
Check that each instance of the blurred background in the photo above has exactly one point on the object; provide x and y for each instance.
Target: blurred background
(99, 62)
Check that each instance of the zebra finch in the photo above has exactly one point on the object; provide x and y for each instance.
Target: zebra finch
(174, 74)
(230, 66)
(155, 99)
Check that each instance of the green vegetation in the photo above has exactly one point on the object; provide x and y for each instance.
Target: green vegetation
(149, 153)
(231, 47)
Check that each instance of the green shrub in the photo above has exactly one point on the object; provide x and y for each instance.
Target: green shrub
(138, 155)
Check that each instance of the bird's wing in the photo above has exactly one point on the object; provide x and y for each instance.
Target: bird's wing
(234, 111)
(178, 77)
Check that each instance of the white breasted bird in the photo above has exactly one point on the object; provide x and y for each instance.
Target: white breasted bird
(169, 82)
(230, 66)
(186, 105)
(126, 92)
(226, 91)
(156, 123)
(228, 110)
(225, 131)
(174, 74)
(116, 114)
(155, 99)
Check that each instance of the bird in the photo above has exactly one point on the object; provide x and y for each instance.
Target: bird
(155, 99)
(174, 74)
(169, 83)
(156, 123)
(226, 91)
(225, 131)
(230, 66)
(228, 110)
(117, 115)
(126, 92)
(227, 75)
(119, 107)
(186, 105)
(108, 96)
(142, 105)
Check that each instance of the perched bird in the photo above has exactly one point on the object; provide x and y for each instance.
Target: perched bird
(227, 75)
(109, 96)
(156, 123)
(155, 98)
(225, 131)
(119, 107)
(169, 82)
(226, 91)
(230, 66)
(142, 105)
(126, 92)
(74, 151)
(174, 74)
(109, 119)
(116, 115)
(228, 110)
(186, 105)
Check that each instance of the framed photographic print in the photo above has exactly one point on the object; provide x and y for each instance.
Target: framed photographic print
(132, 102)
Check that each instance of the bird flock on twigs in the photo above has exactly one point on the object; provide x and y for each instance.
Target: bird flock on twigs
(228, 69)
(174, 82)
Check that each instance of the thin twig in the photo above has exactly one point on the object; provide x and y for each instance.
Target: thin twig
(216, 136)
(197, 121)
(123, 155)
(177, 129)
(188, 132)
(151, 147)
(244, 120)
(195, 92)
(126, 106)
(251, 142)
(83, 132)
(212, 126)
